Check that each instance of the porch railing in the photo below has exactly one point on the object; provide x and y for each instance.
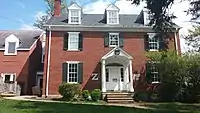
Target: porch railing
(12, 88)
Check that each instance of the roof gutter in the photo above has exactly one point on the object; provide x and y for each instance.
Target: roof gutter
(105, 28)
(48, 64)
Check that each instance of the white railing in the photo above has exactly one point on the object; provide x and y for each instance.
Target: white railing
(10, 88)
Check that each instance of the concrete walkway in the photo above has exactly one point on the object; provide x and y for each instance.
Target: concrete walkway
(36, 99)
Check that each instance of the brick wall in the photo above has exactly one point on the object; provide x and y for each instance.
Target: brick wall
(93, 50)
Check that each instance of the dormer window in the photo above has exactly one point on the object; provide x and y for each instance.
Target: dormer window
(112, 17)
(11, 47)
(112, 14)
(11, 44)
(74, 16)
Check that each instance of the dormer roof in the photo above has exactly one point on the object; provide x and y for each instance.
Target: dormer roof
(74, 5)
(26, 37)
(112, 7)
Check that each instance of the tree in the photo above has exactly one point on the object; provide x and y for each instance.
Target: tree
(180, 79)
(41, 21)
(193, 38)
(161, 19)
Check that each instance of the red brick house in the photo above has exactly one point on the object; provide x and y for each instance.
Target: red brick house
(101, 51)
(20, 58)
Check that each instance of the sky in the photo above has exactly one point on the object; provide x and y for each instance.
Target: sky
(21, 14)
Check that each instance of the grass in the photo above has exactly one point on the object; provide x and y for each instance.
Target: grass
(11, 106)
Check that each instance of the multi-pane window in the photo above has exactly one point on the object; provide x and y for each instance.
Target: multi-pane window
(73, 72)
(153, 42)
(107, 75)
(73, 41)
(122, 74)
(155, 78)
(11, 47)
(9, 78)
(113, 39)
(74, 16)
(112, 17)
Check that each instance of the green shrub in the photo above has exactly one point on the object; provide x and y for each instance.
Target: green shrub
(96, 94)
(85, 94)
(69, 91)
(142, 96)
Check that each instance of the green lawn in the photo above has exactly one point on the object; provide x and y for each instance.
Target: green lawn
(10, 106)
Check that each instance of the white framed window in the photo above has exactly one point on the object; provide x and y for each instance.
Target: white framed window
(72, 72)
(11, 44)
(153, 42)
(154, 73)
(73, 41)
(11, 47)
(74, 16)
(95, 76)
(113, 17)
(9, 77)
(113, 39)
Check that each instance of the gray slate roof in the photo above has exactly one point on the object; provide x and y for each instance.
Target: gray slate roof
(26, 37)
(126, 20)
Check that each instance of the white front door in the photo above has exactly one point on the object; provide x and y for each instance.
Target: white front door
(113, 79)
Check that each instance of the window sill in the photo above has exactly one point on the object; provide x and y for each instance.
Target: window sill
(73, 82)
(113, 46)
(153, 50)
(73, 50)
(10, 54)
(156, 82)
(74, 23)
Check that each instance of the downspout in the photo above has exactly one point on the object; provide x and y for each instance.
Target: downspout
(48, 63)
(176, 43)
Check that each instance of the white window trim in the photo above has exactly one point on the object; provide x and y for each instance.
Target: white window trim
(72, 62)
(69, 33)
(12, 74)
(151, 35)
(110, 40)
(155, 82)
(95, 76)
(108, 22)
(11, 38)
(79, 12)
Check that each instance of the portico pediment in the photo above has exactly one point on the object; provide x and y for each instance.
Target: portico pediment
(117, 52)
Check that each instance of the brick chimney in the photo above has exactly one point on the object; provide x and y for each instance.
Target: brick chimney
(57, 7)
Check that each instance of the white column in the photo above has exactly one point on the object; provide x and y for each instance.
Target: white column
(131, 76)
(103, 76)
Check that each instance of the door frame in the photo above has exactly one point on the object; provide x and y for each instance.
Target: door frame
(39, 76)
(119, 82)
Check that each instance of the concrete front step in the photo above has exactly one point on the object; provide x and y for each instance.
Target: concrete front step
(7, 95)
(120, 101)
(119, 97)
(127, 98)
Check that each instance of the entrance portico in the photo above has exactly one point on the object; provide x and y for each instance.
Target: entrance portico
(117, 71)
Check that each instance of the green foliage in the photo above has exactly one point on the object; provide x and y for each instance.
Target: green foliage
(69, 91)
(41, 21)
(192, 39)
(160, 16)
(141, 96)
(96, 94)
(180, 76)
(85, 94)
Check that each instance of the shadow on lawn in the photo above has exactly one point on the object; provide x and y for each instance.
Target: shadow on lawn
(174, 106)
(42, 107)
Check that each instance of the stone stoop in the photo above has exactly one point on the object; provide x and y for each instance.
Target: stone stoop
(120, 97)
